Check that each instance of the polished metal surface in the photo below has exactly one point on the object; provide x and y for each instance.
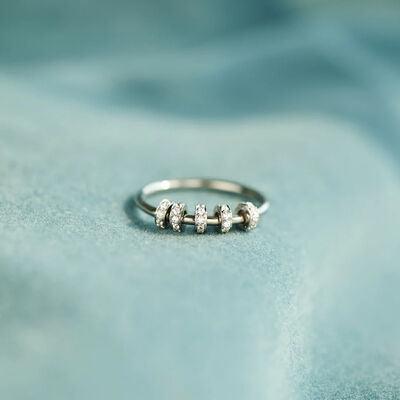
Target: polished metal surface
(223, 186)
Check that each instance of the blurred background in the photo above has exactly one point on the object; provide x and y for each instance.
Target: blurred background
(211, 59)
(300, 99)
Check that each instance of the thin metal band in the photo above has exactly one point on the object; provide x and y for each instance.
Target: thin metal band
(206, 184)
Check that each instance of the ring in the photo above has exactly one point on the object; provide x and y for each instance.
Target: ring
(174, 214)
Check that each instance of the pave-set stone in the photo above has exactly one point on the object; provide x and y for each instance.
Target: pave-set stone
(224, 214)
(162, 212)
(172, 214)
(200, 218)
(250, 214)
(176, 215)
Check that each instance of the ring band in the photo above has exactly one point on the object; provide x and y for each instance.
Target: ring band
(173, 214)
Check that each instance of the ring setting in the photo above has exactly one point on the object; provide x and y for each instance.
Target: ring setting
(250, 214)
(200, 218)
(224, 214)
(175, 215)
(162, 212)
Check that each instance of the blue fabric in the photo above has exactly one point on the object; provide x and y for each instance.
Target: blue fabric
(301, 102)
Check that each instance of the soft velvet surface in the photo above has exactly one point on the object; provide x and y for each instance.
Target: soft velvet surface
(301, 102)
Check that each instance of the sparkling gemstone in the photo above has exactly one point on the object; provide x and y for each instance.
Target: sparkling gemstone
(161, 213)
(250, 214)
(177, 213)
(224, 214)
(200, 218)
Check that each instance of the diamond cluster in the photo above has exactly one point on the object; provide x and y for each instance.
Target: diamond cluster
(250, 214)
(176, 215)
(200, 218)
(224, 213)
(162, 212)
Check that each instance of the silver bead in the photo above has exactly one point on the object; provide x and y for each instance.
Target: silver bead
(162, 212)
(200, 218)
(224, 214)
(176, 215)
(250, 214)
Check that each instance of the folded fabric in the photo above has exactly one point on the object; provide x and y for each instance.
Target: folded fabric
(94, 305)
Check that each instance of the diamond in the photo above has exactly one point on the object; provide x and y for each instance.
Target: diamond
(200, 218)
(224, 214)
(250, 214)
(162, 213)
(176, 215)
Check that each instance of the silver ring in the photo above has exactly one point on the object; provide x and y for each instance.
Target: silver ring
(246, 213)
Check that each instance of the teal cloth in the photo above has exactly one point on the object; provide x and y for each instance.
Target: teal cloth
(300, 102)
